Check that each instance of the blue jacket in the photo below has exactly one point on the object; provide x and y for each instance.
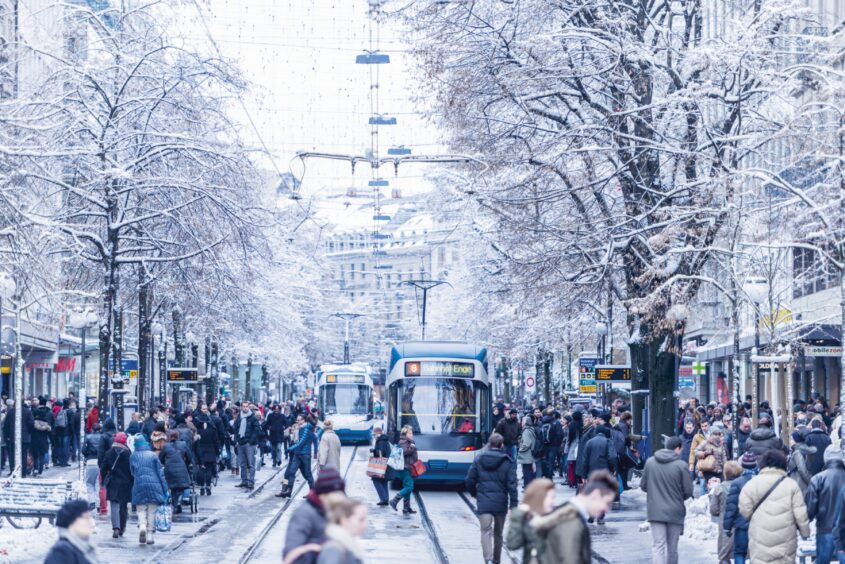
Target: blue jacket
(492, 480)
(306, 439)
(733, 518)
(150, 486)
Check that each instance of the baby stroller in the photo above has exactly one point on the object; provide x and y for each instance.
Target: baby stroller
(191, 498)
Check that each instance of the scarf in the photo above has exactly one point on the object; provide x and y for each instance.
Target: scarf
(345, 539)
(244, 418)
(82, 545)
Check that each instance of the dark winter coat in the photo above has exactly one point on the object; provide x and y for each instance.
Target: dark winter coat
(134, 428)
(382, 449)
(220, 426)
(667, 484)
(208, 444)
(253, 430)
(566, 534)
(275, 426)
(687, 444)
(176, 463)
(409, 449)
(64, 552)
(741, 439)
(116, 466)
(90, 446)
(733, 518)
(106, 439)
(308, 527)
(150, 485)
(41, 439)
(27, 423)
(821, 440)
(599, 454)
(823, 495)
(492, 481)
(509, 429)
(556, 434)
(839, 523)
(185, 433)
(148, 427)
(763, 439)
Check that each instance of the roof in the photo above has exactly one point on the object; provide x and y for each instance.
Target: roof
(437, 349)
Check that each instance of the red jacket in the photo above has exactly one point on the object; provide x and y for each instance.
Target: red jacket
(91, 420)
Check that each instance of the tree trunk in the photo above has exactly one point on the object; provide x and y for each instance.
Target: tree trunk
(105, 337)
(653, 371)
(143, 338)
(179, 348)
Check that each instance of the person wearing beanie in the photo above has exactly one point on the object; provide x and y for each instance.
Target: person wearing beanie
(75, 526)
(309, 527)
(798, 462)
(824, 499)
(764, 438)
(116, 477)
(817, 437)
(734, 524)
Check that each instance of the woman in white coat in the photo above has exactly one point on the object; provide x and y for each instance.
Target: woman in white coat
(329, 452)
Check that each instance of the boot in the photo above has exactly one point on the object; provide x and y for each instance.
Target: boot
(142, 537)
(395, 502)
(115, 533)
(406, 507)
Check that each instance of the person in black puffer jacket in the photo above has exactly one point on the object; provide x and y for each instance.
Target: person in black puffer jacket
(206, 448)
(106, 440)
(817, 437)
(822, 500)
(763, 438)
(177, 463)
(275, 426)
(40, 444)
(733, 521)
(492, 481)
(381, 448)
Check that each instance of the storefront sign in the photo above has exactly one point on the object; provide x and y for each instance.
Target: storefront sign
(686, 382)
(66, 364)
(822, 351)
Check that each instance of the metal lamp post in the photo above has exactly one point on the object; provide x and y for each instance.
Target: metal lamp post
(81, 320)
(601, 331)
(757, 290)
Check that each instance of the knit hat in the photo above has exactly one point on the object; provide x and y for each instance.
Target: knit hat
(749, 460)
(120, 438)
(797, 437)
(513, 410)
(832, 452)
(70, 512)
(141, 440)
(329, 481)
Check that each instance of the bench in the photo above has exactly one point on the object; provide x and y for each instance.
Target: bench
(22, 498)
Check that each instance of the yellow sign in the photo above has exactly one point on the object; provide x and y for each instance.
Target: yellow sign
(587, 389)
(133, 375)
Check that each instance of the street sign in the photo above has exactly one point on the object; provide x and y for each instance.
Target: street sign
(587, 386)
(587, 365)
(127, 365)
(530, 383)
(182, 375)
(613, 373)
(686, 382)
(699, 368)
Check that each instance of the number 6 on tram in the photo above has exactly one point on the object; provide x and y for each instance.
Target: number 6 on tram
(440, 389)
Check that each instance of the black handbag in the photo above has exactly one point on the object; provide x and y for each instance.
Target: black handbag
(107, 479)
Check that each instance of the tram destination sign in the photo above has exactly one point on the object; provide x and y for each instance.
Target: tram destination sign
(613, 373)
(182, 375)
(443, 369)
(344, 379)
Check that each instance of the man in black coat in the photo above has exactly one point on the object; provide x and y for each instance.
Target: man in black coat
(510, 429)
(106, 440)
(600, 454)
(275, 426)
(75, 526)
(822, 500)
(149, 424)
(492, 481)
(764, 438)
(819, 439)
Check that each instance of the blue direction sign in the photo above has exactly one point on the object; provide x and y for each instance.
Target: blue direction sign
(686, 382)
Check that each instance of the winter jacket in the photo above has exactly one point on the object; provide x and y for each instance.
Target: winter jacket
(89, 447)
(150, 485)
(207, 445)
(718, 503)
(117, 469)
(382, 449)
(219, 425)
(667, 483)
(762, 439)
(822, 495)
(303, 441)
(839, 523)
(819, 439)
(186, 433)
(706, 449)
(797, 466)
(599, 454)
(91, 419)
(65, 552)
(134, 428)
(27, 427)
(106, 440)
(148, 427)
(522, 535)
(733, 518)
(771, 534)
(697, 440)
(340, 548)
(686, 449)
(41, 439)
(492, 480)
(176, 465)
(741, 440)
(329, 452)
(509, 429)
(308, 527)
(275, 426)
(526, 445)
(566, 534)
(409, 450)
(253, 429)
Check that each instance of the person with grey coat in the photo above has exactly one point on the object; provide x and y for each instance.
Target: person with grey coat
(525, 455)
(667, 484)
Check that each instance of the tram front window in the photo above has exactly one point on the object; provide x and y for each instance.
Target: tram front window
(346, 399)
(440, 406)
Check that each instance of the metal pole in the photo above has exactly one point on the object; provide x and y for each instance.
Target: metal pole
(19, 368)
(248, 383)
(346, 343)
(425, 303)
(82, 403)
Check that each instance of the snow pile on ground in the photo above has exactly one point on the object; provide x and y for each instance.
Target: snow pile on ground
(25, 545)
(699, 524)
(634, 482)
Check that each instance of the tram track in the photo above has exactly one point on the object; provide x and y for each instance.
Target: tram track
(438, 552)
(253, 548)
(514, 558)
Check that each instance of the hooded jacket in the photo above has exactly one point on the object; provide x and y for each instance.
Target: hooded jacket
(176, 465)
(733, 518)
(526, 446)
(797, 465)
(566, 534)
(150, 485)
(116, 468)
(762, 439)
(308, 527)
(815, 461)
(667, 483)
(771, 533)
(492, 481)
(822, 496)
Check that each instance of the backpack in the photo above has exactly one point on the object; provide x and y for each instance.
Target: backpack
(537, 449)
(546, 431)
(61, 418)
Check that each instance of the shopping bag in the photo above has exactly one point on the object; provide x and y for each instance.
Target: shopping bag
(396, 460)
(418, 468)
(377, 467)
(164, 518)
